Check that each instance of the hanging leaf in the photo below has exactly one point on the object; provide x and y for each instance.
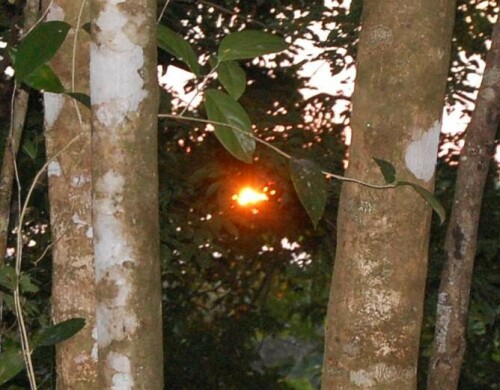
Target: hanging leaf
(387, 170)
(232, 78)
(310, 185)
(57, 333)
(8, 277)
(44, 79)
(223, 108)
(11, 364)
(80, 97)
(176, 45)
(249, 44)
(39, 46)
(87, 27)
(429, 198)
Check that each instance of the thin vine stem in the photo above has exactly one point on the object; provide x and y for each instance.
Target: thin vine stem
(277, 150)
(199, 88)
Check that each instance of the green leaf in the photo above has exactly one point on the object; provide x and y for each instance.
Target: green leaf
(57, 333)
(87, 27)
(249, 44)
(387, 170)
(310, 185)
(44, 79)
(223, 108)
(429, 198)
(27, 286)
(176, 45)
(39, 46)
(80, 97)
(232, 78)
(11, 364)
(8, 277)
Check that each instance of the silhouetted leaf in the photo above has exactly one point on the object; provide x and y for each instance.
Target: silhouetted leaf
(387, 170)
(80, 97)
(310, 185)
(249, 44)
(11, 364)
(232, 78)
(57, 333)
(429, 198)
(87, 27)
(44, 79)
(223, 108)
(39, 46)
(176, 45)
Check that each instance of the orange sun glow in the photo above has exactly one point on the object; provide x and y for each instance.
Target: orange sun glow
(249, 196)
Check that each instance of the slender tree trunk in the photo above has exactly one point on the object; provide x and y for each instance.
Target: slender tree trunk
(124, 93)
(376, 300)
(461, 236)
(70, 184)
(7, 174)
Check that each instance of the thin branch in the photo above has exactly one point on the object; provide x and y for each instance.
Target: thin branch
(277, 150)
(199, 89)
(163, 10)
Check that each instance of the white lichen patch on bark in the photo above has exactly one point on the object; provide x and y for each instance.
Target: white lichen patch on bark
(380, 304)
(421, 153)
(380, 374)
(95, 349)
(112, 257)
(117, 87)
(54, 169)
(55, 13)
(53, 104)
(443, 321)
(120, 364)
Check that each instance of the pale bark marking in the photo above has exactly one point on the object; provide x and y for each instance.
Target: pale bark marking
(443, 321)
(114, 320)
(55, 13)
(54, 169)
(421, 153)
(53, 104)
(120, 363)
(379, 373)
(122, 94)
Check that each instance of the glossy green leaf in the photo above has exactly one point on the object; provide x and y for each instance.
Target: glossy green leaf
(11, 364)
(44, 79)
(223, 108)
(232, 78)
(39, 46)
(176, 45)
(429, 198)
(387, 170)
(249, 44)
(57, 333)
(310, 185)
(80, 97)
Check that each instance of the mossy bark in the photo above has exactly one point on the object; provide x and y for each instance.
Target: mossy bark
(67, 126)
(377, 292)
(124, 93)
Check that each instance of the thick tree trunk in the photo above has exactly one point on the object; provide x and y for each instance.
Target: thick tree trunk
(124, 93)
(70, 185)
(461, 236)
(376, 299)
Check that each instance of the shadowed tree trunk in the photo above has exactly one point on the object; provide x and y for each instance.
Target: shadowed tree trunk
(124, 94)
(461, 237)
(73, 280)
(376, 300)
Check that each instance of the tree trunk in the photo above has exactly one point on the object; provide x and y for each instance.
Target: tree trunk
(70, 184)
(461, 236)
(376, 300)
(124, 94)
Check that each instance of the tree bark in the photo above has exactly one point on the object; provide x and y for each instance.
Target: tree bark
(70, 184)
(124, 94)
(377, 292)
(461, 236)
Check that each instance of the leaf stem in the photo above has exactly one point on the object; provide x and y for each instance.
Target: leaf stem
(276, 149)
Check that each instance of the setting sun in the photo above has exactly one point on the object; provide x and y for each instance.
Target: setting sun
(249, 196)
